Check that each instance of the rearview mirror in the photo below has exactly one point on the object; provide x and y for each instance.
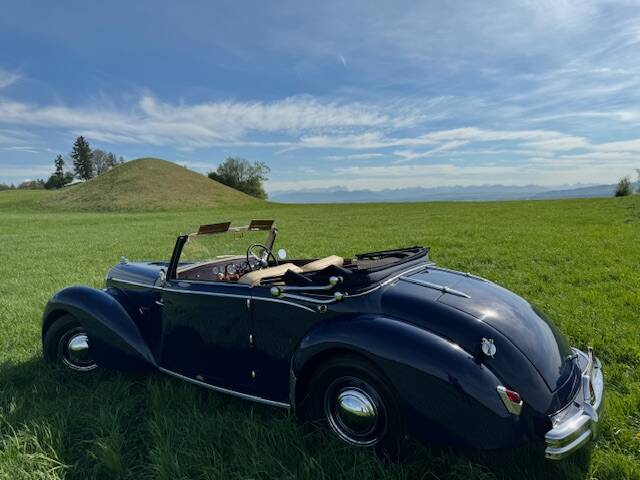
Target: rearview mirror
(282, 254)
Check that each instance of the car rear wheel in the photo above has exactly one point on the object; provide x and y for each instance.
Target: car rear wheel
(350, 396)
(66, 343)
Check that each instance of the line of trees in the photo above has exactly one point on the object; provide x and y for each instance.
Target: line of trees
(86, 164)
(26, 185)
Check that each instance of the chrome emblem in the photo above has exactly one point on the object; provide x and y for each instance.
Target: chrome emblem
(488, 347)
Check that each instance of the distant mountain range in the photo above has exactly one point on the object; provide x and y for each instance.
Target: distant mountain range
(468, 193)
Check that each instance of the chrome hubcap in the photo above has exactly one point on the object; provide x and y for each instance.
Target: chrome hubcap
(75, 352)
(355, 412)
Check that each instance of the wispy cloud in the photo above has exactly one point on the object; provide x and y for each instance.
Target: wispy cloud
(354, 156)
(8, 78)
(206, 124)
(408, 155)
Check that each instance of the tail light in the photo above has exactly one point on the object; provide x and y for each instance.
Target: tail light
(511, 399)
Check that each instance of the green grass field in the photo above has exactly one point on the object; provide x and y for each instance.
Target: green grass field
(579, 259)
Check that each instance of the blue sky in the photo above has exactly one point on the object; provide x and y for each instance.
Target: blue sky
(356, 94)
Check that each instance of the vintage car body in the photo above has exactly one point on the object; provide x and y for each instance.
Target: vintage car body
(469, 362)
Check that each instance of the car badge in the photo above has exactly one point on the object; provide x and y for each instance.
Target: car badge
(488, 347)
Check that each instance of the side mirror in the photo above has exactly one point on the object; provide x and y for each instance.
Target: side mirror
(282, 254)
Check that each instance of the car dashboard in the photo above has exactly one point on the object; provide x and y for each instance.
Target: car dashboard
(225, 270)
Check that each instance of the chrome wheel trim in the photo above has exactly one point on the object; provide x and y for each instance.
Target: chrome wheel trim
(355, 412)
(74, 351)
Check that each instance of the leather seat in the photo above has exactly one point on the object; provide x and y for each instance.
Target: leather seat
(254, 278)
(323, 263)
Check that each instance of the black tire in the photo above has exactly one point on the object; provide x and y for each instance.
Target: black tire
(347, 379)
(56, 341)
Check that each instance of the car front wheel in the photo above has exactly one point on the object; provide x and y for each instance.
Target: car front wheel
(66, 343)
(350, 396)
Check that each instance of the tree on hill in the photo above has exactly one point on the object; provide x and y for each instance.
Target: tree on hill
(104, 161)
(638, 183)
(59, 178)
(624, 187)
(82, 159)
(4, 186)
(242, 175)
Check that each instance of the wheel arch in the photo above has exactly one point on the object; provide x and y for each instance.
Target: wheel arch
(116, 341)
(301, 382)
(50, 317)
(437, 381)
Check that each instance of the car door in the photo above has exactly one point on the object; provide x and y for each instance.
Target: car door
(205, 332)
(278, 327)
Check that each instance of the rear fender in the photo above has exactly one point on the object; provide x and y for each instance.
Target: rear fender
(115, 339)
(448, 396)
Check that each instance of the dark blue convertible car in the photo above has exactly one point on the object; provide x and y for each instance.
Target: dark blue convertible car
(379, 347)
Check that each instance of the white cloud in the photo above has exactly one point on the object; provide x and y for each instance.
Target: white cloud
(408, 155)
(8, 78)
(615, 115)
(354, 156)
(542, 171)
(621, 146)
(426, 170)
(372, 139)
(486, 135)
(26, 149)
(207, 124)
(566, 142)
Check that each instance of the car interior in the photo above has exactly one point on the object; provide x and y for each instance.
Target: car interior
(259, 266)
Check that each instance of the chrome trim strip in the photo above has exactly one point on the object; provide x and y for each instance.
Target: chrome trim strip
(435, 286)
(310, 299)
(129, 282)
(213, 294)
(266, 299)
(211, 282)
(244, 396)
(457, 272)
(574, 432)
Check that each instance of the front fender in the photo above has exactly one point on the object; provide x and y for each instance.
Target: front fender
(115, 339)
(448, 396)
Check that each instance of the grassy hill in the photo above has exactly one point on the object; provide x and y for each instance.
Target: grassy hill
(146, 184)
(576, 259)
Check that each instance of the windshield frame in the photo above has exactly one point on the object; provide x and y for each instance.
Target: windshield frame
(217, 229)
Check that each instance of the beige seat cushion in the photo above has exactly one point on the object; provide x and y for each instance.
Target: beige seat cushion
(323, 263)
(253, 278)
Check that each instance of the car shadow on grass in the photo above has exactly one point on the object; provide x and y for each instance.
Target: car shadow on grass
(113, 425)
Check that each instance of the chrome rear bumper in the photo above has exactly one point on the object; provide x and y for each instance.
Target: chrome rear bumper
(573, 432)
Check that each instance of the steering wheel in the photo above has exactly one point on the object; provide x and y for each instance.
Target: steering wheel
(262, 261)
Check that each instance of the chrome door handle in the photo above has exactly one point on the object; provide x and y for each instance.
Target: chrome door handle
(160, 302)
